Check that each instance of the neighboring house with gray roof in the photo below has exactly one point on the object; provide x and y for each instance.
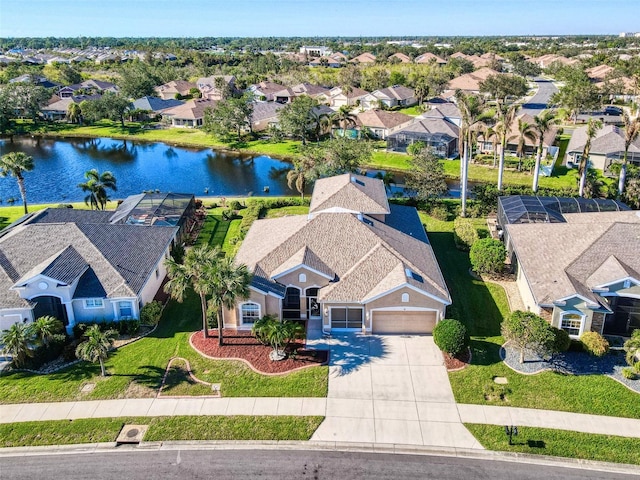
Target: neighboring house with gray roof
(438, 133)
(354, 263)
(607, 147)
(155, 104)
(582, 274)
(79, 272)
(380, 122)
(390, 97)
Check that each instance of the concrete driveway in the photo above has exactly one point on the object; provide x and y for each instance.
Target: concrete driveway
(390, 389)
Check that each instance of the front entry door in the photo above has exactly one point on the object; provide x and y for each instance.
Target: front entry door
(291, 304)
(313, 307)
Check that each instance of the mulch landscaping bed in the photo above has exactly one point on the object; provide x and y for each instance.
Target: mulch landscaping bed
(458, 362)
(243, 345)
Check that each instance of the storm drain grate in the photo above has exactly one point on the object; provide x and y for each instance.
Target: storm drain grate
(131, 434)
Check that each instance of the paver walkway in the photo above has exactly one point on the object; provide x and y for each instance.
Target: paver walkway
(382, 390)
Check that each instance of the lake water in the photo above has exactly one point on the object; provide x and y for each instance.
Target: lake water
(60, 167)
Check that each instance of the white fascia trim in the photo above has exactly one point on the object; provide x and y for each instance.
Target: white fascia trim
(624, 295)
(411, 287)
(306, 267)
(42, 277)
(621, 280)
(251, 287)
(576, 295)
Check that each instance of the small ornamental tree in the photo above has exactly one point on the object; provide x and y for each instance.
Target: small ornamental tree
(526, 330)
(451, 336)
(595, 344)
(487, 256)
(464, 233)
(632, 348)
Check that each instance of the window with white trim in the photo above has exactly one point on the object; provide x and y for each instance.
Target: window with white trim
(249, 312)
(405, 297)
(302, 278)
(126, 309)
(93, 303)
(572, 323)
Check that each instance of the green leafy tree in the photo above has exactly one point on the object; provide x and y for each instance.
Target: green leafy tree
(16, 342)
(45, 328)
(525, 68)
(631, 132)
(137, 80)
(542, 124)
(230, 115)
(296, 118)
(343, 155)
(426, 175)
(465, 233)
(504, 87)
(114, 107)
(14, 164)
(528, 331)
(577, 94)
(96, 346)
(451, 336)
(487, 255)
(62, 73)
(96, 188)
(28, 99)
(592, 130)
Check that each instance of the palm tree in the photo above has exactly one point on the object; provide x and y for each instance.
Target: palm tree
(387, 179)
(343, 117)
(631, 132)
(473, 112)
(592, 129)
(489, 134)
(632, 347)
(321, 122)
(543, 123)
(507, 115)
(526, 131)
(16, 342)
(196, 272)
(74, 113)
(45, 328)
(230, 284)
(96, 185)
(97, 345)
(296, 177)
(14, 164)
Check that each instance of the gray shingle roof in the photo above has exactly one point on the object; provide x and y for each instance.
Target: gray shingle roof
(608, 140)
(350, 192)
(66, 267)
(155, 104)
(70, 215)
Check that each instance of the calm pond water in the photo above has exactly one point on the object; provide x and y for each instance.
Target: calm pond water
(60, 167)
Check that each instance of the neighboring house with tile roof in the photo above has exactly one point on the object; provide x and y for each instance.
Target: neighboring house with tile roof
(209, 88)
(380, 122)
(429, 57)
(438, 133)
(365, 57)
(190, 114)
(169, 90)
(263, 91)
(399, 57)
(582, 274)
(390, 97)
(470, 82)
(337, 98)
(607, 147)
(354, 263)
(79, 267)
(286, 95)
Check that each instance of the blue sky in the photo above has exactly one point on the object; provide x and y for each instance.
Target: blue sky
(259, 18)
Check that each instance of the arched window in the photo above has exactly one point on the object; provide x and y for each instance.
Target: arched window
(405, 297)
(302, 278)
(572, 323)
(250, 312)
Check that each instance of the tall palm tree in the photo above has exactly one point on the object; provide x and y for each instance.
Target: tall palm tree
(74, 113)
(526, 131)
(506, 115)
(97, 345)
(16, 341)
(44, 328)
(631, 132)
(195, 272)
(14, 164)
(230, 284)
(542, 124)
(473, 111)
(296, 177)
(489, 134)
(96, 186)
(343, 118)
(321, 122)
(592, 130)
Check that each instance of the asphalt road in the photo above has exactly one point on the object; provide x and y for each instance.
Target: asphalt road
(274, 464)
(540, 100)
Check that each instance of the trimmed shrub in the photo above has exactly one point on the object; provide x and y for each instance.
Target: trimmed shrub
(487, 256)
(595, 344)
(235, 205)
(464, 233)
(45, 353)
(439, 212)
(561, 340)
(228, 214)
(450, 336)
(629, 373)
(150, 314)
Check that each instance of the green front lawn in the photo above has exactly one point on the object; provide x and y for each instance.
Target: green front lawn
(482, 306)
(93, 430)
(560, 443)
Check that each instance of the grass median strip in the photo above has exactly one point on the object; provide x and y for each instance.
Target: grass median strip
(560, 443)
(94, 430)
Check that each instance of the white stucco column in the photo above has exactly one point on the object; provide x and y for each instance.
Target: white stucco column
(71, 318)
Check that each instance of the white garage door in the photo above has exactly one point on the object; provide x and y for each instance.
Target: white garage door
(403, 322)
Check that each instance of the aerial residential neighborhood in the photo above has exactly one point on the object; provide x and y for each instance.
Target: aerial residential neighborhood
(338, 254)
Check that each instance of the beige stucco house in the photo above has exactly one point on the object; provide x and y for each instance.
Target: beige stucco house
(354, 263)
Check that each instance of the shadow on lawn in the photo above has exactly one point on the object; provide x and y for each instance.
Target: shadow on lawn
(146, 375)
(484, 352)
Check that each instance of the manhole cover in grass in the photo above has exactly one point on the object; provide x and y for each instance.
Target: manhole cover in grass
(88, 387)
(132, 434)
(500, 380)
